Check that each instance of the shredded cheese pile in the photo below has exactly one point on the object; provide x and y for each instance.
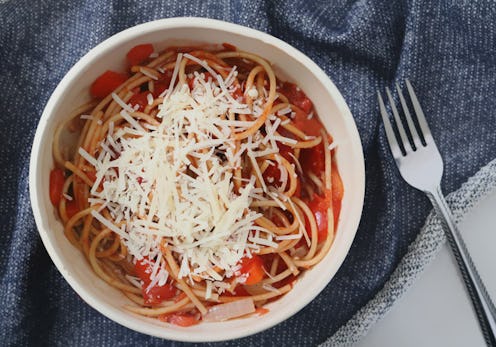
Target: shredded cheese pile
(174, 181)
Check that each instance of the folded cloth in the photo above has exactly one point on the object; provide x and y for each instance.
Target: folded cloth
(445, 48)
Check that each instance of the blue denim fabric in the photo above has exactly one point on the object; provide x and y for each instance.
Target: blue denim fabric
(446, 48)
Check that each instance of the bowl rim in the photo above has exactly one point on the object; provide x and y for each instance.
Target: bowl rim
(193, 22)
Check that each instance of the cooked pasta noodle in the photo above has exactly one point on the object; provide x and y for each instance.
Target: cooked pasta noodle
(198, 180)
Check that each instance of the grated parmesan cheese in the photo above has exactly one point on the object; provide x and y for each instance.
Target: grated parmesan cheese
(149, 98)
(172, 185)
(86, 116)
(148, 74)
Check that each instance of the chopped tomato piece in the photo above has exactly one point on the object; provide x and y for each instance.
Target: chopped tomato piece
(337, 193)
(71, 208)
(139, 53)
(285, 151)
(143, 269)
(310, 126)
(181, 296)
(313, 159)
(296, 96)
(191, 82)
(253, 269)
(261, 311)
(91, 174)
(106, 83)
(272, 174)
(56, 185)
(319, 205)
(140, 99)
(162, 84)
(159, 88)
(156, 294)
(305, 104)
(180, 319)
(229, 47)
(239, 290)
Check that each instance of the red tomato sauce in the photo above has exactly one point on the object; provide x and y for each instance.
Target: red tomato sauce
(311, 160)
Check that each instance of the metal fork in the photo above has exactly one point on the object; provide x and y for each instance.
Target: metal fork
(421, 166)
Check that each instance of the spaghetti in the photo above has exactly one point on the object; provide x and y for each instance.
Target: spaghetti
(202, 186)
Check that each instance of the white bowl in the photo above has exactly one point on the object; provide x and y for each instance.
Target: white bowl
(290, 64)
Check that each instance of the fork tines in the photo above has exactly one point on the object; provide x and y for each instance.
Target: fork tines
(418, 141)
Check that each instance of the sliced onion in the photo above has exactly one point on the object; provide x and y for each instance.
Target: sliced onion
(229, 310)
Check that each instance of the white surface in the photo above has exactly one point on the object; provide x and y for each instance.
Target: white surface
(436, 311)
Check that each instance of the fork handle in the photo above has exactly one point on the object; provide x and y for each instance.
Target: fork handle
(484, 307)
